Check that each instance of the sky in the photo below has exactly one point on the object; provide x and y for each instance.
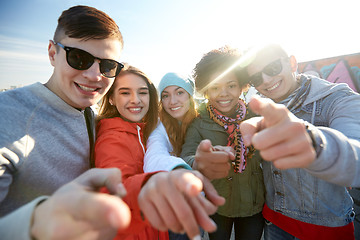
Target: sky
(163, 36)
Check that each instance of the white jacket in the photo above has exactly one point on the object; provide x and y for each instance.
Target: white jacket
(158, 152)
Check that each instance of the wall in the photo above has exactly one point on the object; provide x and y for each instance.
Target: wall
(340, 69)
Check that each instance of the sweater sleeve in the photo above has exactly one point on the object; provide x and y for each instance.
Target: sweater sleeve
(115, 149)
(16, 225)
(157, 156)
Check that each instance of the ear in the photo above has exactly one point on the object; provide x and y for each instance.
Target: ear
(52, 52)
(293, 63)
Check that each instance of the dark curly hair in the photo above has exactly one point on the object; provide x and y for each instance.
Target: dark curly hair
(217, 61)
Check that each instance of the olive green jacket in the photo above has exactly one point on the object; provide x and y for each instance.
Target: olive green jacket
(244, 192)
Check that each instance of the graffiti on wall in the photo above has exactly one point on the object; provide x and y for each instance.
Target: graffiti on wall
(340, 69)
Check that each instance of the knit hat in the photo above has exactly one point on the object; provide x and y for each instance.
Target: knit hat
(175, 79)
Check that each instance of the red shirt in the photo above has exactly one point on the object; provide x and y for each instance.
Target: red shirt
(308, 231)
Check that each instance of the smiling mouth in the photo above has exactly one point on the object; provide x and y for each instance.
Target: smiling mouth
(135, 110)
(274, 86)
(224, 102)
(175, 108)
(87, 89)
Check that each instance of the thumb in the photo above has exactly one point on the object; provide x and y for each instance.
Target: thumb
(205, 146)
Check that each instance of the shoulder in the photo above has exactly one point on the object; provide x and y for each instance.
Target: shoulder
(158, 133)
(115, 125)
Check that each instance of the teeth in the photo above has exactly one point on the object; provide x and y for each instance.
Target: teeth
(135, 109)
(174, 109)
(273, 87)
(86, 88)
(224, 102)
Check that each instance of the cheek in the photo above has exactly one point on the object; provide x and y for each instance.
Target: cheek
(187, 105)
(236, 92)
(119, 102)
(146, 100)
(212, 101)
(108, 83)
(165, 103)
(211, 96)
(120, 110)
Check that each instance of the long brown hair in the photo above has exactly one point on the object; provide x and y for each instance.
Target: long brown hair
(151, 117)
(175, 131)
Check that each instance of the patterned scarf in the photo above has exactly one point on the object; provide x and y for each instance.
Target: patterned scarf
(297, 98)
(232, 127)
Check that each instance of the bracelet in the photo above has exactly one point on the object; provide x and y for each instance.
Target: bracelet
(316, 141)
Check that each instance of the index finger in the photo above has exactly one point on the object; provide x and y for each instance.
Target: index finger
(273, 113)
(249, 127)
(97, 178)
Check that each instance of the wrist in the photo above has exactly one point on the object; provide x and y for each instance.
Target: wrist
(316, 140)
(34, 226)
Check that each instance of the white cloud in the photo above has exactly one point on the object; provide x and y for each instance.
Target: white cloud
(22, 62)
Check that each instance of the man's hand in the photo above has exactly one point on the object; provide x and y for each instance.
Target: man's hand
(173, 200)
(77, 211)
(279, 135)
(213, 162)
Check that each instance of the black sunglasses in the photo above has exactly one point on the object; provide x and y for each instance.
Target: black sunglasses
(272, 69)
(82, 60)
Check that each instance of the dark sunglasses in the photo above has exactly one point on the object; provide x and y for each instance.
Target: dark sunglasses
(272, 69)
(82, 60)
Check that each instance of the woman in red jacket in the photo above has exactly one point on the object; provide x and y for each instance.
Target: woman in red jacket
(121, 132)
(128, 114)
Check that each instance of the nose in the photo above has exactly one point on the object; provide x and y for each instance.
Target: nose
(223, 91)
(135, 98)
(266, 78)
(173, 99)
(93, 73)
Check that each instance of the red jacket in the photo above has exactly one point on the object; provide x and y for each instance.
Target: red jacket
(119, 144)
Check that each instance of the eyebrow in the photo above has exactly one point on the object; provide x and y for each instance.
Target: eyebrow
(228, 82)
(125, 88)
(175, 90)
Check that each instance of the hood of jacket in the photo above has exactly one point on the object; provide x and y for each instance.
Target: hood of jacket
(321, 88)
(120, 125)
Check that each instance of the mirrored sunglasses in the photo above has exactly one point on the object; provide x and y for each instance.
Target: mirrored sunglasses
(82, 60)
(272, 69)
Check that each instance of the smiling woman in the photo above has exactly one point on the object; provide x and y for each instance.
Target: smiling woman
(177, 111)
(128, 113)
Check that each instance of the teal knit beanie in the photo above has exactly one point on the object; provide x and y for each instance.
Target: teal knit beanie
(175, 79)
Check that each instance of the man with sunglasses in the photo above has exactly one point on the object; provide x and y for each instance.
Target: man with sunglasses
(44, 149)
(44, 143)
(310, 140)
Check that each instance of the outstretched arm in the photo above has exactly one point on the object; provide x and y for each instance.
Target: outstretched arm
(330, 153)
(279, 135)
(173, 200)
(76, 210)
